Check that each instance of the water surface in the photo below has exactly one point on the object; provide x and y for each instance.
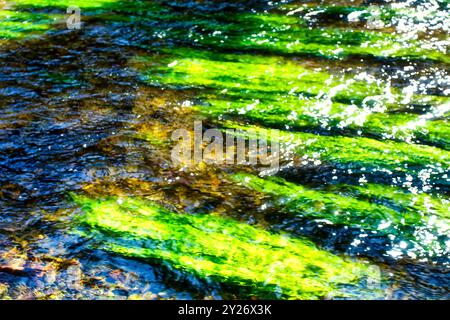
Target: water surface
(360, 91)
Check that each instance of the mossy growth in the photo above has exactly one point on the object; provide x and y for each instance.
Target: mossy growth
(278, 34)
(421, 204)
(24, 18)
(218, 248)
(281, 34)
(18, 25)
(422, 221)
(21, 19)
(62, 4)
(387, 14)
(363, 155)
(437, 131)
(269, 32)
(299, 113)
(280, 93)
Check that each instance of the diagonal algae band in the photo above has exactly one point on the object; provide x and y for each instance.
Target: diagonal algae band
(419, 221)
(222, 249)
(277, 93)
(277, 33)
(18, 25)
(379, 160)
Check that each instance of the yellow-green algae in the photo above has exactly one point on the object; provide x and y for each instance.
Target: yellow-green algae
(264, 74)
(18, 22)
(412, 203)
(364, 155)
(221, 249)
(261, 31)
(17, 25)
(279, 93)
(279, 34)
(403, 216)
(64, 4)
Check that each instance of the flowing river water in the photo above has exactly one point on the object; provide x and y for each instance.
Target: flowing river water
(93, 207)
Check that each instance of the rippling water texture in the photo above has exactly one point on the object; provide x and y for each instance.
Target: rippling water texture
(91, 205)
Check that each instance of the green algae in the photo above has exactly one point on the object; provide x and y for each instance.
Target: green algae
(22, 19)
(218, 248)
(18, 22)
(437, 131)
(414, 219)
(283, 35)
(269, 78)
(396, 198)
(303, 114)
(270, 32)
(191, 68)
(364, 155)
(290, 104)
(63, 4)
(18, 25)
(279, 93)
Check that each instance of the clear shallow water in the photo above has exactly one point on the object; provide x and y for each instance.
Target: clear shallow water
(91, 111)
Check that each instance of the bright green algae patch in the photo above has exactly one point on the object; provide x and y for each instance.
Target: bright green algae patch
(219, 248)
(265, 32)
(420, 221)
(278, 93)
(412, 203)
(17, 25)
(364, 156)
(64, 4)
(266, 74)
(304, 114)
(280, 34)
(286, 95)
(337, 43)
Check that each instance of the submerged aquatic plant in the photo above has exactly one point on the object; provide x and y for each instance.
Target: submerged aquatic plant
(384, 161)
(421, 221)
(272, 31)
(63, 4)
(22, 19)
(277, 92)
(18, 25)
(221, 249)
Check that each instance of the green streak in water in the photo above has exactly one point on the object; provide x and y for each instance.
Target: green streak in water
(279, 93)
(219, 248)
(419, 220)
